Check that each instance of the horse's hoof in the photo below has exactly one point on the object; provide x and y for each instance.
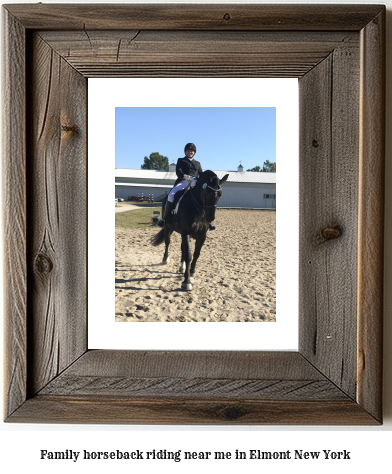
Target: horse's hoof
(186, 286)
(165, 261)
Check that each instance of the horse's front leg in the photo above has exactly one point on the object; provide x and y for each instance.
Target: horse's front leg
(168, 233)
(186, 253)
(182, 264)
(199, 244)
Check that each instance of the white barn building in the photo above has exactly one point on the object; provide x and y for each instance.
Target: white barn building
(243, 189)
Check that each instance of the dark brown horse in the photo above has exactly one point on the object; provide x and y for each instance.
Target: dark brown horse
(195, 212)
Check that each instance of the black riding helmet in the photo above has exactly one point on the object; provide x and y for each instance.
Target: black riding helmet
(190, 146)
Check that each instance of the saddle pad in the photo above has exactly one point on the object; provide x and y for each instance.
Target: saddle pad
(182, 192)
(175, 210)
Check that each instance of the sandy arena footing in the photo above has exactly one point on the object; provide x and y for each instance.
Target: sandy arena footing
(235, 275)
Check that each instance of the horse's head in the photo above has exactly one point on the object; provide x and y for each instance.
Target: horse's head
(210, 191)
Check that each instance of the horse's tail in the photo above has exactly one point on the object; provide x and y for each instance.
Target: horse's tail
(159, 238)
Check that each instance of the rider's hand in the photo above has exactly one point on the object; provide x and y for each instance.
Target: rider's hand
(187, 177)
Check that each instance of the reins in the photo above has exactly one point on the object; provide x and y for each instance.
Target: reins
(200, 209)
(202, 195)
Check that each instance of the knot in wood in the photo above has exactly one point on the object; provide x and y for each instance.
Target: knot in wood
(328, 233)
(232, 412)
(315, 143)
(71, 129)
(227, 16)
(43, 264)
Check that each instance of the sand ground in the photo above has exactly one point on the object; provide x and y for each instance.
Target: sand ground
(235, 275)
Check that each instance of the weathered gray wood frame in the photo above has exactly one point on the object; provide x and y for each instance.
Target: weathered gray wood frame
(337, 52)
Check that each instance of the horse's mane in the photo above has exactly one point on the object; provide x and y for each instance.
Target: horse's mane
(206, 177)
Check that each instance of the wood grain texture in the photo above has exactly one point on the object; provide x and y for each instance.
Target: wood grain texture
(188, 387)
(14, 211)
(192, 387)
(195, 17)
(194, 53)
(102, 409)
(208, 375)
(329, 97)
(57, 206)
(207, 364)
(371, 215)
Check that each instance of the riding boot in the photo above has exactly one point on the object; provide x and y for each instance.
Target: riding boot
(212, 227)
(168, 210)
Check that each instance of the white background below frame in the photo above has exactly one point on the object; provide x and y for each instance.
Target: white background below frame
(106, 94)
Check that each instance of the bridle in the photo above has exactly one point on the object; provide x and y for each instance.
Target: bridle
(203, 195)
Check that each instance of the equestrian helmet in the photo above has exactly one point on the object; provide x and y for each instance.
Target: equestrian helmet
(190, 146)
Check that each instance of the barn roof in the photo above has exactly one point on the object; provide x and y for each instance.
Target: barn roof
(144, 185)
(234, 176)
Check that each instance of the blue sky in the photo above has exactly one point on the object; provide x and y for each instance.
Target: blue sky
(224, 136)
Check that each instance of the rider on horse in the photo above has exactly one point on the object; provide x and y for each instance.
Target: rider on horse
(187, 170)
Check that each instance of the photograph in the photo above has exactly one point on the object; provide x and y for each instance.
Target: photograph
(195, 221)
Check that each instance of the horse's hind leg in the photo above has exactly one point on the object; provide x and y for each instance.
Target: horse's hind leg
(186, 252)
(198, 245)
(168, 233)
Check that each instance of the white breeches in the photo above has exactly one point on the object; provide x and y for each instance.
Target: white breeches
(181, 185)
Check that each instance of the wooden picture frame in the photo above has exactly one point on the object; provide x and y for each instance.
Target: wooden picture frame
(337, 52)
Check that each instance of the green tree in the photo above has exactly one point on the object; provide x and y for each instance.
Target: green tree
(268, 167)
(156, 162)
(256, 168)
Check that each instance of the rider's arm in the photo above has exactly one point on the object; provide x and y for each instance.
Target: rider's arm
(179, 171)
